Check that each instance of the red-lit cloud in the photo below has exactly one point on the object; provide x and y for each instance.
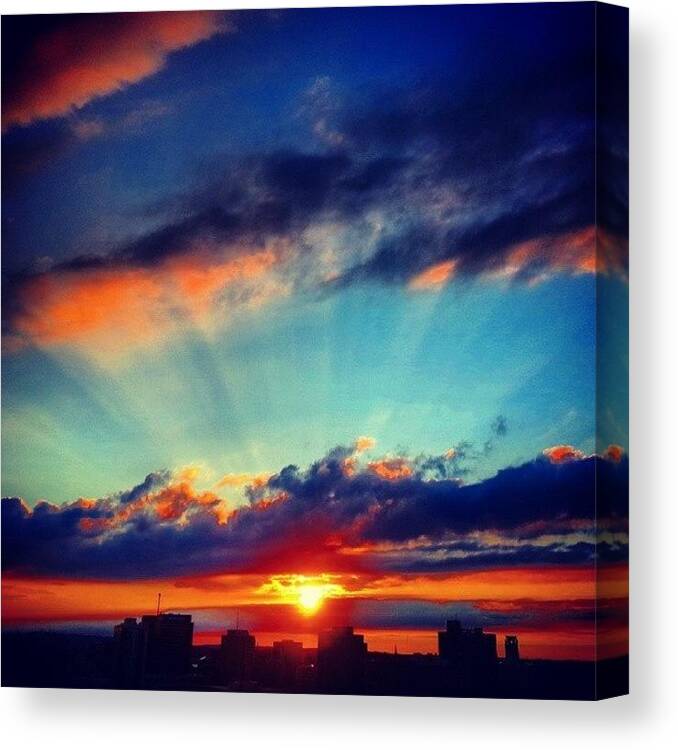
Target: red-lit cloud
(559, 454)
(586, 251)
(376, 537)
(106, 312)
(174, 503)
(434, 276)
(387, 515)
(346, 209)
(614, 453)
(93, 57)
(391, 468)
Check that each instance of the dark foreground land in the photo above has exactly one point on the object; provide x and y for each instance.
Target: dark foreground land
(47, 659)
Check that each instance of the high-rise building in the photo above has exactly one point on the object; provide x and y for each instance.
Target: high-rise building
(127, 653)
(511, 652)
(167, 640)
(341, 660)
(467, 648)
(237, 656)
(155, 649)
(288, 659)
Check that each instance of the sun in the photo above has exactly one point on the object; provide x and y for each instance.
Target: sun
(306, 593)
(310, 598)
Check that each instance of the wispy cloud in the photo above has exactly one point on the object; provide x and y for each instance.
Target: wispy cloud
(422, 190)
(108, 313)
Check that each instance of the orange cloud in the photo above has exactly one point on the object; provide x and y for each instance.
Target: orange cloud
(171, 503)
(434, 276)
(559, 454)
(93, 57)
(585, 251)
(614, 453)
(508, 584)
(391, 468)
(107, 311)
(364, 443)
(26, 598)
(240, 480)
(361, 445)
(188, 473)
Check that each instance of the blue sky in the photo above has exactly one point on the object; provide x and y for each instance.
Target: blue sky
(385, 120)
(418, 373)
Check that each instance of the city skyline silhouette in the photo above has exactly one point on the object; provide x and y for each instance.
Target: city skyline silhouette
(157, 652)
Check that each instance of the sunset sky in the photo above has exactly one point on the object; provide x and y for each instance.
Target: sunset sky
(300, 326)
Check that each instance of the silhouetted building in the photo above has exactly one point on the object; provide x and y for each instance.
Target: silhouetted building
(237, 656)
(288, 659)
(341, 660)
(155, 649)
(127, 653)
(511, 652)
(167, 642)
(467, 649)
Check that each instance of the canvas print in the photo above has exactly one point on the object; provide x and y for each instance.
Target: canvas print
(314, 355)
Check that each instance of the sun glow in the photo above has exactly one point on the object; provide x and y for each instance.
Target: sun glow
(307, 593)
(310, 598)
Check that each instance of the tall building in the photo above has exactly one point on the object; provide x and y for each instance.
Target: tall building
(156, 649)
(237, 656)
(167, 640)
(341, 660)
(127, 653)
(467, 648)
(288, 659)
(511, 652)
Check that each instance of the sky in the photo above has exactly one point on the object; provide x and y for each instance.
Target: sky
(314, 303)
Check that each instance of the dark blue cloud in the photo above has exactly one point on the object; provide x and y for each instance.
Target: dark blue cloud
(297, 516)
(153, 481)
(460, 168)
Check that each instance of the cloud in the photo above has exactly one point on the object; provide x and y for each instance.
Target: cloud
(153, 481)
(390, 515)
(434, 276)
(391, 469)
(559, 454)
(107, 312)
(614, 453)
(503, 202)
(241, 480)
(425, 188)
(82, 58)
(321, 106)
(28, 151)
(364, 443)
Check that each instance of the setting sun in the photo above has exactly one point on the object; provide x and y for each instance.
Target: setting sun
(307, 593)
(310, 598)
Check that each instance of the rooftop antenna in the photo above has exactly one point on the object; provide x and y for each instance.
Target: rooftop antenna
(157, 611)
(237, 619)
